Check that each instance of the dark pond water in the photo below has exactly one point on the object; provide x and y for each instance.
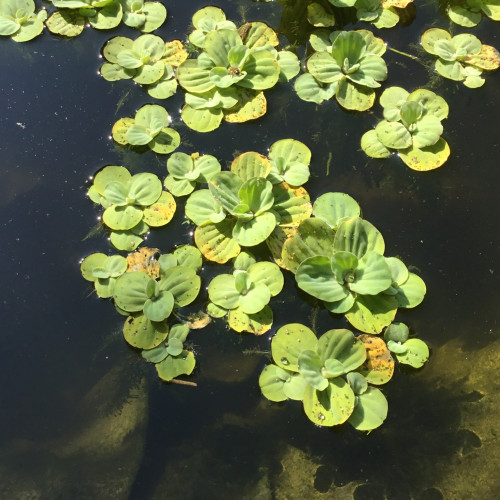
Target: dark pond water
(81, 416)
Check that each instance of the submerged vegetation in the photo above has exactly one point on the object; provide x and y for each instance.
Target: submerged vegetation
(334, 254)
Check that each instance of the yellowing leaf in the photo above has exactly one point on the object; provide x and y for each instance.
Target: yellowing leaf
(174, 54)
(379, 365)
(144, 261)
(250, 107)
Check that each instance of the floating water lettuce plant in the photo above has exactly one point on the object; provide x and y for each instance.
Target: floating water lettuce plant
(150, 127)
(206, 20)
(186, 171)
(347, 66)
(227, 78)
(242, 207)
(145, 16)
(469, 13)
(412, 127)
(176, 272)
(147, 60)
(103, 270)
(245, 294)
(461, 58)
(73, 15)
(413, 352)
(338, 258)
(170, 357)
(132, 204)
(321, 373)
(19, 21)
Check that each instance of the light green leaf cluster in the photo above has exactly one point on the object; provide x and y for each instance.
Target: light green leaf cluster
(19, 20)
(338, 258)
(147, 60)
(347, 65)
(226, 79)
(242, 207)
(185, 172)
(321, 373)
(132, 204)
(150, 127)
(377, 13)
(412, 126)
(137, 292)
(245, 293)
(470, 13)
(145, 16)
(461, 58)
(170, 356)
(289, 162)
(103, 270)
(413, 352)
(73, 15)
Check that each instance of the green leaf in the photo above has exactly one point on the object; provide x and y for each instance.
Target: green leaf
(372, 146)
(344, 347)
(161, 212)
(183, 283)
(392, 99)
(289, 342)
(316, 277)
(354, 96)
(166, 141)
(257, 193)
(215, 241)
(335, 208)
(313, 237)
(416, 355)
(122, 217)
(370, 410)
(268, 274)
(91, 263)
(249, 165)
(142, 333)
(66, 22)
(431, 36)
(372, 313)
(258, 323)
(358, 383)
(310, 366)
(393, 135)
(330, 407)
(255, 298)
(397, 332)
(372, 275)
(464, 17)
(309, 89)
(427, 158)
(255, 231)
(145, 189)
(174, 346)
(222, 291)
(272, 381)
(289, 65)
(171, 367)
(130, 291)
(412, 292)
(159, 308)
(358, 236)
(201, 208)
(292, 204)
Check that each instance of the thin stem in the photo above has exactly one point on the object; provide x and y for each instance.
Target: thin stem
(415, 58)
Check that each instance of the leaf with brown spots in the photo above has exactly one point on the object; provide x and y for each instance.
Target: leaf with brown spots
(144, 261)
(379, 365)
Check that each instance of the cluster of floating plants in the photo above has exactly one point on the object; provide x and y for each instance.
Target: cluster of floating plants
(132, 204)
(149, 290)
(462, 57)
(469, 13)
(412, 127)
(335, 255)
(335, 376)
(150, 128)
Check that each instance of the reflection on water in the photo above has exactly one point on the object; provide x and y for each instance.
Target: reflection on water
(81, 415)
